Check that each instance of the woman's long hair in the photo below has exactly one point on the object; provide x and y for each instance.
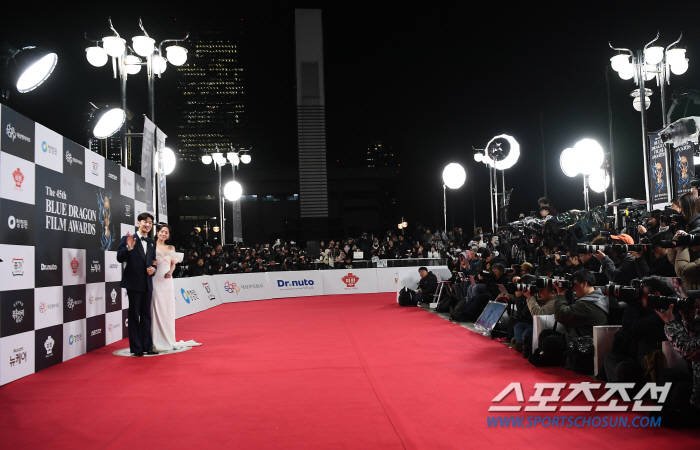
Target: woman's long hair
(690, 206)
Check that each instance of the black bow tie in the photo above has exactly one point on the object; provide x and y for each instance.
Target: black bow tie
(144, 239)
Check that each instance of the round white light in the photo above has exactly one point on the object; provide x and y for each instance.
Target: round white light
(679, 67)
(219, 158)
(478, 157)
(512, 157)
(233, 190)
(169, 160)
(176, 55)
(637, 102)
(233, 158)
(675, 55)
(618, 62)
(653, 55)
(567, 161)
(206, 159)
(97, 56)
(588, 155)
(37, 73)
(454, 176)
(626, 72)
(159, 64)
(143, 45)
(133, 64)
(109, 123)
(245, 159)
(599, 180)
(114, 45)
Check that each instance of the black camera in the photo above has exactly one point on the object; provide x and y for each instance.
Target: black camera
(632, 292)
(624, 248)
(550, 283)
(680, 304)
(509, 271)
(684, 240)
(562, 257)
(488, 236)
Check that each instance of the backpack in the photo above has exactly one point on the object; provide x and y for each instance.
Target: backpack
(458, 312)
(579, 357)
(407, 297)
(446, 300)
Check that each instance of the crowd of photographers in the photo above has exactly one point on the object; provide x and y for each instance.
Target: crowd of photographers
(643, 277)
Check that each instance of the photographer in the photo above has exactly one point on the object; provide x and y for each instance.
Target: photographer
(426, 286)
(660, 265)
(470, 308)
(685, 338)
(622, 272)
(591, 309)
(540, 304)
(642, 332)
(652, 225)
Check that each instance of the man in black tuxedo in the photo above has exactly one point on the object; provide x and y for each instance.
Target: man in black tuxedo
(139, 253)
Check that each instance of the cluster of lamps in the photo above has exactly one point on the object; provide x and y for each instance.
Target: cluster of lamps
(586, 158)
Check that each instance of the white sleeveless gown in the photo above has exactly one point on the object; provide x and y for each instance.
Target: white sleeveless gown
(163, 312)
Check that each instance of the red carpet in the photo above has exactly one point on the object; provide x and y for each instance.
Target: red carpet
(325, 372)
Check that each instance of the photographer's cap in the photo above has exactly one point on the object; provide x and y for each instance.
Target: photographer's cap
(625, 238)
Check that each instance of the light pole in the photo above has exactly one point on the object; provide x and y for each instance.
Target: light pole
(494, 157)
(453, 177)
(126, 62)
(584, 158)
(233, 190)
(647, 64)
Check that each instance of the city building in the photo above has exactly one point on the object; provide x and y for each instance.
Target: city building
(210, 94)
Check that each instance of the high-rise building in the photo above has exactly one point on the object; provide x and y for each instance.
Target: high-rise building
(211, 95)
(379, 155)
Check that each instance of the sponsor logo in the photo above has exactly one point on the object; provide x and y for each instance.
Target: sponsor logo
(139, 188)
(49, 267)
(112, 176)
(294, 283)
(231, 288)
(96, 331)
(126, 322)
(209, 292)
(189, 296)
(12, 134)
(95, 267)
(43, 307)
(74, 266)
(74, 338)
(17, 313)
(18, 356)
(350, 280)
(50, 149)
(95, 168)
(114, 266)
(48, 345)
(91, 299)
(72, 159)
(17, 266)
(73, 303)
(18, 176)
(113, 295)
(127, 211)
(13, 223)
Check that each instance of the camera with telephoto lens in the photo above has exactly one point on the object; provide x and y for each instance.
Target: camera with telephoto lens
(512, 288)
(551, 283)
(631, 292)
(509, 271)
(684, 240)
(662, 302)
(488, 236)
(589, 248)
(624, 248)
(562, 257)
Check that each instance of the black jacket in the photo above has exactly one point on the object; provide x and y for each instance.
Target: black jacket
(428, 285)
(643, 329)
(622, 273)
(659, 266)
(137, 261)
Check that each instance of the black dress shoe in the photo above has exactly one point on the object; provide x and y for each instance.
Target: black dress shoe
(151, 352)
(138, 354)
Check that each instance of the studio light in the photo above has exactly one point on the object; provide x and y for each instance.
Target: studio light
(206, 159)
(133, 64)
(114, 45)
(567, 161)
(176, 55)
(589, 156)
(512, 157)
(599, 180)
(37, 73)
(109, 122)
(143, 45)
(233, 190)
(97, 56)
(169, 160)
(454, 176)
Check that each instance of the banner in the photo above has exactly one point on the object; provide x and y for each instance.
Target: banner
(301, 283)
(237, 222)
(162, 215)
(684, 169)
(349, 281)
(149, 130)
(193, 295)
(237, 288)
(658, 173)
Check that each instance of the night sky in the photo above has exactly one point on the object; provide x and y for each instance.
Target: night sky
(429, 81)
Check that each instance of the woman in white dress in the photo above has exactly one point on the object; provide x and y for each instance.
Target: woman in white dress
(163, 304)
